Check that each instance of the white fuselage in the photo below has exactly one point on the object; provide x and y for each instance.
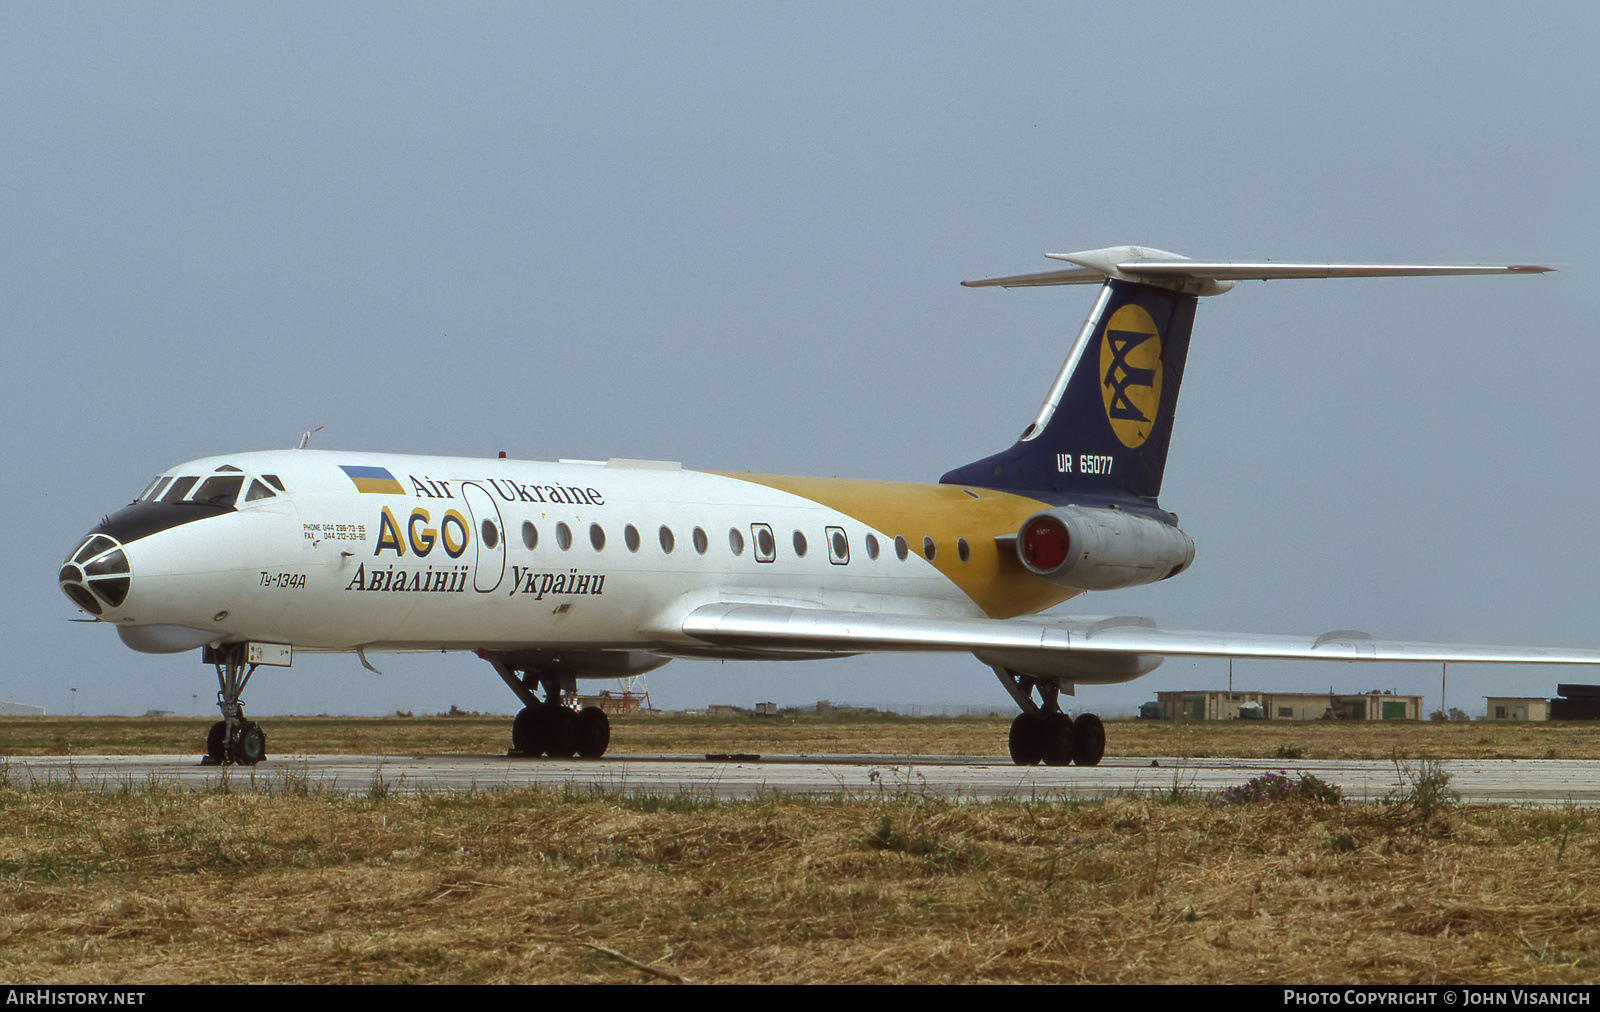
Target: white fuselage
(490, 555)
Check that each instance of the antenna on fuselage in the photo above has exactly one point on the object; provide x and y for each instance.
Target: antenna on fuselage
(305, 438)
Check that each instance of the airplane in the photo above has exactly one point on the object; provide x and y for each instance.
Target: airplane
(581, 569)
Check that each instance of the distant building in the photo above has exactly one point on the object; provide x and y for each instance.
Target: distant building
(1575, 702)
(1517, 708)
(1572, 702)
(1208, 704)
(10, 709)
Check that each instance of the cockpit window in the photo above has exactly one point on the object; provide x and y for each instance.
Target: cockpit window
(157, 487)
(258, 491)
(220, 490)
(178, 489)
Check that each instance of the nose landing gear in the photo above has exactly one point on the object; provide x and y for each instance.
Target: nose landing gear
(1042, 733)
(233, 739)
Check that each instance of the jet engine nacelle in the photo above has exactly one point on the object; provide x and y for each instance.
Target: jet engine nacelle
(1101, 549)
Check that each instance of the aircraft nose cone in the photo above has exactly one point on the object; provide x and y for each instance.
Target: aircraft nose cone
(96, 576)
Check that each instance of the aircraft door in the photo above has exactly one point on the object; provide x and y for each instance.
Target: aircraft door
(489, 535)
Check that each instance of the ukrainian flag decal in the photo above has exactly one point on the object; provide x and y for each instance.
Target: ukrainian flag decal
(373, 479)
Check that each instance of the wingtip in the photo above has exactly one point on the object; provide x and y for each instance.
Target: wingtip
(1530, 269)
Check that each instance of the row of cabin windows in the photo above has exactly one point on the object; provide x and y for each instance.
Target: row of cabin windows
(766, 545)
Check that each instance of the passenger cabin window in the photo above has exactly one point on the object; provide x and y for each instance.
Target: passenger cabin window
(563, 536)
(530, 535)
(735, 541)
(701, 542)
(597, 536)
(766, 544)
(838, 546)
(667, 540)
(799, 545)
(630, 537)
(900, 549)
(872, 546)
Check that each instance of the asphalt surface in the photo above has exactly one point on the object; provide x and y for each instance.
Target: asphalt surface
(1514, 781)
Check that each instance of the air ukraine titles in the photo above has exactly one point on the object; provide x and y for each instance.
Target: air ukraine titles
(441, 581)
(453, 535)
(512, 491)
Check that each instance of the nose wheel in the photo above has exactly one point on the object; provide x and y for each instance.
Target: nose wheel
(233, 739)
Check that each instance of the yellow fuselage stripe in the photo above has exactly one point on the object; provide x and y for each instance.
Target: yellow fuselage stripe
(994, 579)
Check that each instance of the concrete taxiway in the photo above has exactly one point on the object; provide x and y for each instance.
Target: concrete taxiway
(1516, 781)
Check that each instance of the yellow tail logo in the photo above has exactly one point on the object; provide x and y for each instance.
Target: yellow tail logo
(1130, 374)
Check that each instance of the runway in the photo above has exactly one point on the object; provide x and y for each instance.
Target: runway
(1505, 781)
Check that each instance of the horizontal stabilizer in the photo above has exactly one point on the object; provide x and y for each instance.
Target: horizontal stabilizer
(1213, 277)
(1076, 276)
(1228, 271)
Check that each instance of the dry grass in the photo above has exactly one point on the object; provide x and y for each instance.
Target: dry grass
(886, 735)
(146, 886)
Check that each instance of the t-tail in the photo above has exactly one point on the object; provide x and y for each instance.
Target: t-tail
(1101, 437)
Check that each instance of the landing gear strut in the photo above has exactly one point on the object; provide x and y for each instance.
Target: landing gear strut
(554, 726)
(233, 739)
(1042, 733)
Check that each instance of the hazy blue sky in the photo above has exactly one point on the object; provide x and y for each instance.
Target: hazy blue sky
(730, 234)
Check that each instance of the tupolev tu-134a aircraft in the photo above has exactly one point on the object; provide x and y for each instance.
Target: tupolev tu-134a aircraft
(554, 572)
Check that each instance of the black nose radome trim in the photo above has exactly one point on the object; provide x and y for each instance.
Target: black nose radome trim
(142, 519)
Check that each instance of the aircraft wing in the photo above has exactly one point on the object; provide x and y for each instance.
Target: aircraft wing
(1048, 642)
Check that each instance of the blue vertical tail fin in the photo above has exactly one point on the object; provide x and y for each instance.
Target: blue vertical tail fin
(1101, 436)
(1103, 431)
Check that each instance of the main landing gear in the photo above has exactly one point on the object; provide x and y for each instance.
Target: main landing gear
(1042, 733)
(233, 739)
(557, 730)
(554, 726)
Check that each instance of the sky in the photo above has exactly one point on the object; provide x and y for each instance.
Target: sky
(731, 234)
